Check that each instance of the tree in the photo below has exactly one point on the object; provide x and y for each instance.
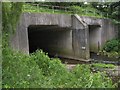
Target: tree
(110, 9)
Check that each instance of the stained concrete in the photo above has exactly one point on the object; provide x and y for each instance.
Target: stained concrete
(80, 38)
(94, 38)
(70, 36)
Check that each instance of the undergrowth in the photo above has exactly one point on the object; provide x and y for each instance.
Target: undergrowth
(37, 70)
(92, 12)
(111, 49)
(101, 65)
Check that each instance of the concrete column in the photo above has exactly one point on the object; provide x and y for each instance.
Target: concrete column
(80, 38)
(23, 36)
(23, 40)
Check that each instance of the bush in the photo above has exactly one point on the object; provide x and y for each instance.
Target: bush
(39, 71)
(86, 79)
(112, 45)
(76, 9)
(20, 71)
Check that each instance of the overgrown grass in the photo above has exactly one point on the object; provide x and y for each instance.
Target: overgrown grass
(86, 11)
(34, 9)
(101, 65)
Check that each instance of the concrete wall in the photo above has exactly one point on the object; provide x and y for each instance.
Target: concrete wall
(94, 38)
(94, 25)
(109, 31)
(80, 38)
(20, 39)
(100, 31)
(71, 36)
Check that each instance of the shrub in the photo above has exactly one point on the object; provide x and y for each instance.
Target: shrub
(39, 71)
(76, 9)
(20, 71)
(112, 45)
(86, 79)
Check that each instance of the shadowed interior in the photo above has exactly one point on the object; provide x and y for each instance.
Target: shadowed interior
(50, 38)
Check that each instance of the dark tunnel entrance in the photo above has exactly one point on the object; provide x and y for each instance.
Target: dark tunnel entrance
(52, 39)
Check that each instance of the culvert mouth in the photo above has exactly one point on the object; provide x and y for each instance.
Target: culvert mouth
(94, 38)
(52, 39)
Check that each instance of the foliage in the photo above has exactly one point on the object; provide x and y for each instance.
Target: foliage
(85, 11)
(61, 4)
(101, 65)
(113, 54)
(39, 71)
(11, 12)
(77, 9)
(90, 80)
(109, 9)
(35, 9)
(111, 49)
(112, 45)
(20, 71)
(49, 66)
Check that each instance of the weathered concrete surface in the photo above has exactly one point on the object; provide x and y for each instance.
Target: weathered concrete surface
(100, 30)
(94, 38)
(20, 40)
(108, 31)
(65, 35)
(80, 37)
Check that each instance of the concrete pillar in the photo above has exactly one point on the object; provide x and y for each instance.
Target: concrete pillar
(80, 36)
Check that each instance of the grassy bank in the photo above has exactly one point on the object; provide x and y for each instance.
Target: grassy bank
(92, 12)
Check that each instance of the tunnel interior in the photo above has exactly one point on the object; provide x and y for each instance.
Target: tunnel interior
(52, 39)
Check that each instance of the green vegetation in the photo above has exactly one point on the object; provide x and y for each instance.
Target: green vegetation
(111, 48)
(93, 9)
(19, 71)
(101, 65)
(72, 9)
(10, 12)
(37, 70)
(86, 11)
(112, 45)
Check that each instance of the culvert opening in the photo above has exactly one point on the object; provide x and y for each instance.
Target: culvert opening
(50, 38)
(94, 39)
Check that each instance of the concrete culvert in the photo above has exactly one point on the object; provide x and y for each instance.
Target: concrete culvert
(69, 36)
(52, 39)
